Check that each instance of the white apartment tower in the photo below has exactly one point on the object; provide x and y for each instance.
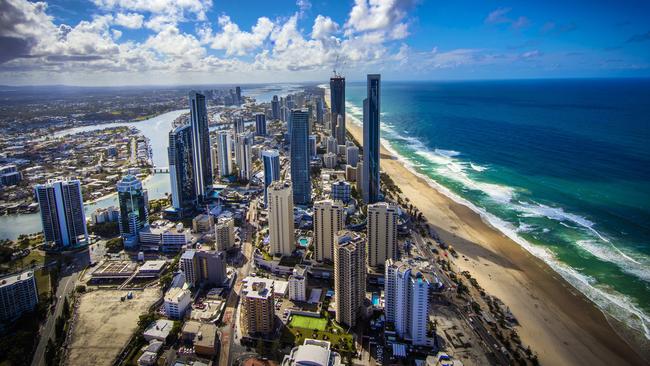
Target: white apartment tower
(298, 284)
(62, 213)
(328, 220)
(382, 233)
(281, 234)
(407, 291)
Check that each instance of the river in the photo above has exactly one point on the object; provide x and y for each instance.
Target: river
(156, 129)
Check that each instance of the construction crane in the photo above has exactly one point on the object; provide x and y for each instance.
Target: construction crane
(336, 64)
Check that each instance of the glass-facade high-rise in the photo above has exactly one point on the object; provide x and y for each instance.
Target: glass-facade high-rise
(260, 124)
(134, 209)
(299, 121)
(337, 103)
(371, 146)
(271, 161)
(275, 108)
(62, 213)
(201, 144)
(181, 169)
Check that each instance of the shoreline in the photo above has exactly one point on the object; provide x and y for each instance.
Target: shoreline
(565, 327)
(556, 320)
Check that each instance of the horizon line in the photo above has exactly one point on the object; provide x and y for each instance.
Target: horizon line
(323, 81)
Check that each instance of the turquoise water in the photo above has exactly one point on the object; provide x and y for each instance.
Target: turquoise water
(304, 242)
(157, 130)
(375, 299)
(561, 166)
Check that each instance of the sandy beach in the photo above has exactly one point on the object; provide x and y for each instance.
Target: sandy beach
(557, 321)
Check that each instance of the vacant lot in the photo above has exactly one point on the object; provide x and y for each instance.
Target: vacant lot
(103, 324)
(308, 322)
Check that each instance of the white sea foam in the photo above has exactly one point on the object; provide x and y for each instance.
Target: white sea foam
(477, 167)
(607, 252)
(612, 302)
(525, 228)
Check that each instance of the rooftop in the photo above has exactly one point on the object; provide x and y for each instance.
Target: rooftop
(10, 280)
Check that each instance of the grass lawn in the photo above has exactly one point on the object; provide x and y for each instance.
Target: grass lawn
(296, 334)
(308, 322)
(42, 282)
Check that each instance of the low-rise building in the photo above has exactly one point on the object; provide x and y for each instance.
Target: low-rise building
(176, 302)
(312, 353)
(341, 191)
(158, 330)
(202, 223)
(202, 335)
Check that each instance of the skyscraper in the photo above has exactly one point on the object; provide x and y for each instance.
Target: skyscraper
(352, 155)
(382, 233)
(134, 209)
(371, 146)
(337, 103)
(181, 169)
(349, 276)
(239, 125)
(281, 234)
(238, 94)
(328, 220)
(271, 162)
(340, 130)
(201, 144)
(224, 154)
(406, 291)
(300, 156)
(319, 110)
(260, 124)
(275, 108)
(313, 151)
(245, 148)
(62, 213)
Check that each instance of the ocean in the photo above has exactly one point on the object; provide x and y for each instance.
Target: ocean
(560, 166)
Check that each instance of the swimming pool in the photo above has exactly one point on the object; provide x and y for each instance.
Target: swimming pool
(375, 299)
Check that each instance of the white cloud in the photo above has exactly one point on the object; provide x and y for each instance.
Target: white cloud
(170, 7)
(270, 47)
(131, 20)
(235, 41)
(324, 27)
(374, 15)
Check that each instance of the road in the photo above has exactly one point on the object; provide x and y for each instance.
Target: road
(230, 315)
(69, 277)
(475, 322)
(66, 286)
(423, 247)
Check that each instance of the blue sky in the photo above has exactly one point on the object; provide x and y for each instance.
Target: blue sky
(119, 42)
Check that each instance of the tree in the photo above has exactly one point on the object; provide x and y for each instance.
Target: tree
(51, 353)
(114, 245)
